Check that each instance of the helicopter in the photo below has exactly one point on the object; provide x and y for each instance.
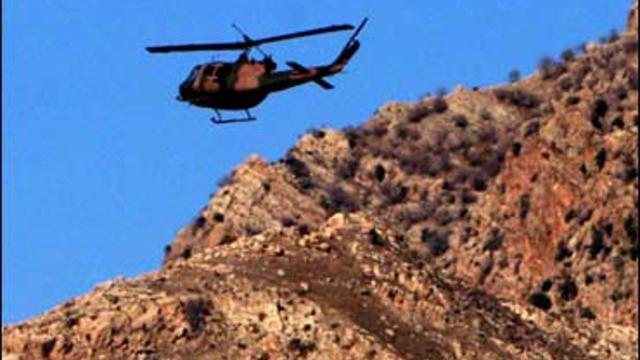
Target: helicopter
(245, 83)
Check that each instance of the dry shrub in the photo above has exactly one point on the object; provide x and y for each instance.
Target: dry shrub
(348, 168)
(414, 213)
(337, 199)
(599, 110)
(550, 69)
(420, 111)
(514, 75)
(568, 55)
(196, 311)
(437, 242)
(455, 141)
(379, 172)
(393, 193)
(406, 133)
(517, 97)
(353, 135)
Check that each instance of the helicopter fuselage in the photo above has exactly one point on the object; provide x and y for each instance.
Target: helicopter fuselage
(245, 83)
(224, 85)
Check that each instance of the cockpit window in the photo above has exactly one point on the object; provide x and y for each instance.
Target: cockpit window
(210, 70)
(192, 74)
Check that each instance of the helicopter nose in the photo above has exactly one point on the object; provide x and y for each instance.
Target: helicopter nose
(183, 92)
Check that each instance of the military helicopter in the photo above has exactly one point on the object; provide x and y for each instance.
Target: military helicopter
(245, 83)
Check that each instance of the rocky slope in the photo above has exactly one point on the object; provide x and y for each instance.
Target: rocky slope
(488, 224)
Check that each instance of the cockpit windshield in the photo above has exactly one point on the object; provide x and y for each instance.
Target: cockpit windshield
(192, 74)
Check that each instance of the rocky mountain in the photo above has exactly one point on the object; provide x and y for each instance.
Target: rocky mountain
(494, 223)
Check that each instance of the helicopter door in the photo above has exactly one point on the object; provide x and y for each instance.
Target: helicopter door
(224, 75)
(211, 82)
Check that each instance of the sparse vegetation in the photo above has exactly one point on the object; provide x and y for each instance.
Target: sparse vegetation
(46, 348)
(303, 229)
(518, 97)
(568, 289)
(393, 193)
(437, 243)
(563, 252)
(288, 221)
(199, 222)
(376, 239)
(186, 252)
(587, 313)
(353, 136)
(617, 123)
(597, 242)
(252, 227)
(468, 197)
(460, 121)
(540, 300)
(569, 215)
(348, 168)
(601, 158)
(422, 163)
(318, 133)
(302, 346)
(480, 184)
(404, 132)
(379, 129)
(524, 205)
(379, 172)
(516, 147)
(572, 100)
(298, 168)
(195, 311)
(218, 216)
(423, 109)
(225, 180)
(598, 113)
(419, 112)
(494, 240)
(514, 75)
(443, 216)
(531, 129)
(566, 83)
(486, 115)
(631, 228)
(441, 92)
(337, 199)
(300, 171)
(549, 68)
(440, 105)
(546, 285)
(568, 55)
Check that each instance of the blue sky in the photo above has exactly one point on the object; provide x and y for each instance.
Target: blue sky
(101, 166)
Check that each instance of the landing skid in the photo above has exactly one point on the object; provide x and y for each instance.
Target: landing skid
(219, 120)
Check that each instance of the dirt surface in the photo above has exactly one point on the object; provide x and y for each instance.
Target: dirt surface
(493, 223)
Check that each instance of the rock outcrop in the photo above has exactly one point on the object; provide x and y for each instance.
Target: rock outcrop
(491, 223)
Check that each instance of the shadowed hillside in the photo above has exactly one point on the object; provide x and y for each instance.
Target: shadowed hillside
(493, 223)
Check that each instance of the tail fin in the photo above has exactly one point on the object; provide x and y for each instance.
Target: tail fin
(347, 53)
(350, 48)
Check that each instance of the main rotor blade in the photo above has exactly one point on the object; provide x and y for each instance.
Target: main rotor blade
(247, 43)
(300, 34)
